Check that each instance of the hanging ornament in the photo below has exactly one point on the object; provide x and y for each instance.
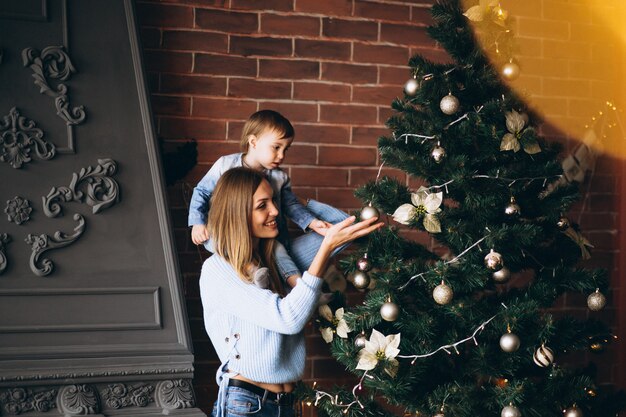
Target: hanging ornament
(361, 280)
(510, 71)
(503, 275)
(494, 261)
(510, 411)
(509, 342)
(411, 87)
(572, 411)
(449, 104)
(364, 264)
(596, 300)
(563, 223)
(442, 294)
(389, 311)
(440, 413)
(513, 209)
(544, 356)
(359, 341)
(369, 212)
(438, 153)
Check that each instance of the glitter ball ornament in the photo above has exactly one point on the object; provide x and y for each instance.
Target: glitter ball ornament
(449, 104)
(510, 71)
(544, 356)
(438, 153)
(563, 223)
(509, 342)
(513, 209)
(572, 412)
(440, 414)
(503, 275)
(411, 87)
(364, 264)
(389, 311)
(369, 212)
(494, 261)
(442, 294)
(510, 411)
(361, 280)
(359, 341)
(596, 300)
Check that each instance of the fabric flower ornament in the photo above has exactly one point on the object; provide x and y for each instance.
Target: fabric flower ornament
(425, 205)
(581, 241)
(485, 9)
(380, 348)
(519, 136)
(337, 323)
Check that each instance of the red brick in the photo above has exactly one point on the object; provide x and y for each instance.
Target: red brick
(347, 156)
(244, 45)
(352, 74)
(322, 49)
(211, 151)
(283, 68)
(327, 7)
(405, 34)
(235, 129)
(350, 29)
(279, 5)
(568, 50)
(168, 105)
(362, 135)
(321, 91)
(301, 155)
(164, 15)
(290, 25)
(384, 113)
(192, 129)
(421, 15)
(341, 198)
(223, 109)
(381, 54)
(531, 8)
(150, 38)
(314, 133)
(319, 177)
(566, 88)
(226, 21)
(381, 11)
(195, 41)
(300, 112)
(359, 177)
(190, 84)
(225, 65)
(375, 95)
(539, 28)
(394, 75)
(567, 11)
(348, 114)
(167, 61)
(241, 87)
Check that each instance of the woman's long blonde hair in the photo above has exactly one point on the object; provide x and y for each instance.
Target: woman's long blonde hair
(230, 228)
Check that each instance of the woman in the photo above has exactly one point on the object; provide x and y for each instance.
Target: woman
(257, 332)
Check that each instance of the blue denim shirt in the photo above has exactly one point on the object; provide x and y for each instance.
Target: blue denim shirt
(285, 198)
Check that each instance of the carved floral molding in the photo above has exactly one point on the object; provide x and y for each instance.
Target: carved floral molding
(21, 400)
(18, 210)
(4, 241)
(19, 136)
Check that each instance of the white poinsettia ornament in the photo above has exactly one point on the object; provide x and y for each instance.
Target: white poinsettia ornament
(519, 136)
(336, 323)
(487, 9)
(425, 205)
(380, 348)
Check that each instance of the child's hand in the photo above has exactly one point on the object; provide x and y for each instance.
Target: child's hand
(320, 227)
(199, 234)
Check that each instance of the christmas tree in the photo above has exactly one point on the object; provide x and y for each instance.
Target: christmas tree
(442, 332)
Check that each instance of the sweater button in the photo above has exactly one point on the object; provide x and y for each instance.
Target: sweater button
(236, 336)
(227, 340)
(237, 356)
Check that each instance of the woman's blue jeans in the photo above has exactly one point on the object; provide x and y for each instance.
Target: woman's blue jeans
(243, 403)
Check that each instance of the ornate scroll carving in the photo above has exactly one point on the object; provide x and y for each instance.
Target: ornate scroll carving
(4, 241)
(78, 400)
(122, 395)
(102, 191)
(20, 400)
(53, 62)
(43, 243)
(18, 210)
(18, 137)
(174, 394)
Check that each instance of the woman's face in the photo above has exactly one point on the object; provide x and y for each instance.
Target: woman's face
(264, 212)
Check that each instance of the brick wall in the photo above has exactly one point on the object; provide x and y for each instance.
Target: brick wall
(333, 67)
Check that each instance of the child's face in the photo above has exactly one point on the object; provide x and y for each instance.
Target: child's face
(264, 212)
(267, 150)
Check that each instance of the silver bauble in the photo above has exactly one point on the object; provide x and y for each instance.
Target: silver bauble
(442, 294)
(503, 275)
(563, 223)
(439, 414)
(389, 311)
(449, 104)
(494, 261)
(509, 342)
(360, 340)
(510, 411)
(361, 280)
(572, 412)
(513, 209)
(369, 212)
(544, 356)
(510, 71)
(438, 154)
(596, 301)
(364, 264)
(411, 87)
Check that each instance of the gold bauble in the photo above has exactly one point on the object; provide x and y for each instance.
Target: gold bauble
(494, 261)
(510, 71)
(544, 356)
(563, 223)
(510, 411)
(572, 412)
(596, 301)
(369, 212)
(363, 264)
(389, 311)
(442, 294)
(449, 104)
(513, 209)
(411, 87)
(509, 342)
(361, 280)
(359, 341)
(438, 154)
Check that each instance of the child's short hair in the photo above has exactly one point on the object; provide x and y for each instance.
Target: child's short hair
(264, 120)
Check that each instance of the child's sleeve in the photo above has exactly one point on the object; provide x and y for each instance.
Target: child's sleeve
(201, 197)
(292, 208)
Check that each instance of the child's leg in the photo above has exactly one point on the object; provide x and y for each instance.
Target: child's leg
(285, 265)
(325, 212)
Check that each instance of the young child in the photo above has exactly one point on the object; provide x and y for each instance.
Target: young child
(266, 137)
